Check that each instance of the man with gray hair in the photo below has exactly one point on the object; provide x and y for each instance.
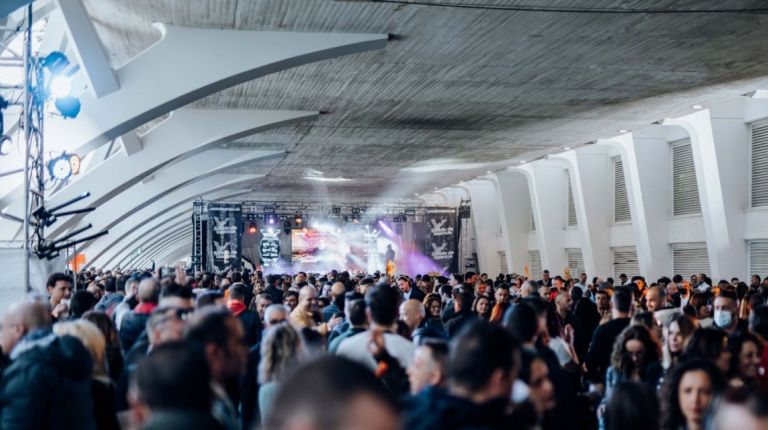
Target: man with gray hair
(19, 320)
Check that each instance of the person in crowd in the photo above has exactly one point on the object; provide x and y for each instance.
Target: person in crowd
(700, 305)
(382, 301)
(338, 291)
(545, 279)
(483, 362)
(19, 320)
(412, 313)
(586, 312)
(632, 407)
(750, 414)
(409, 292)
(113, 296)
(131, 289)
(541, 392)
(599, 355)
(566, 317)
(281, 351)
(291, 299)
(603, 303)
(306, 314)
(222, 338)
(176, 295)
(462, 312)
(172, 390)
(250, 319)
(655, 298)
(561, 340)
(59, 287)
(688, 395)
(134, 322)
(81, 302)
(210, 298)
(274, 315)
(745, 349)
(680, 329)
(343, 395)
(726, 315)
(102, 387)
(357, 320)
(433, 321)
(112, 342)
(636, 357)
(481, 307)
(97, 289)
(429, 365)
(48, 383)
(261, 302)
(710, 344)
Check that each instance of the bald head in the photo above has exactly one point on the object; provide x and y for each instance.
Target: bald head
(412, 312)
(20, 319)
(308, 298)
(338, 289)
(149, 291)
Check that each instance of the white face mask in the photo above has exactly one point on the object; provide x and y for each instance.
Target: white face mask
(723, 318)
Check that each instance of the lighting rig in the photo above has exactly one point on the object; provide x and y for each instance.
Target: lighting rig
(47, 82)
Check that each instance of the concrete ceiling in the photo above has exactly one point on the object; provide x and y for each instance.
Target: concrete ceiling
(460, 87)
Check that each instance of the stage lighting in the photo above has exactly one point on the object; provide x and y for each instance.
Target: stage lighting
(287, 227)
(61, 86)
(270, 218)
(67, 106)
(55, 62)
(252, 228)
(336, 210)
(297, 219)
(355, 219)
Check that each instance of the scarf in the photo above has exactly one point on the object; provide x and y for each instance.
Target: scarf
(236, 307)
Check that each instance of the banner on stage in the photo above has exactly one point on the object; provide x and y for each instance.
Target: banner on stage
(224, 236)
(441, 237)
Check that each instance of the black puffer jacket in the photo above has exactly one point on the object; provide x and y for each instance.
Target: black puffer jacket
(48, 385)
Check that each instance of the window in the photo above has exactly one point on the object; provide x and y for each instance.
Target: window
(533, 222)
(620, 200)
(572, 222)
(575, 261)
(685, 192)
(625, 261)
(759, 159)
(689, 259)
(534, 257)
(758, 258)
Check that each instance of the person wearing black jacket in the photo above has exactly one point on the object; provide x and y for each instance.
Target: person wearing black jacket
(599, 355)
(48, 384)
(462, 305)
(482, 366)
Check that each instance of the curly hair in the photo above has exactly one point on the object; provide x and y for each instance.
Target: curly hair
(621, 361)
(281, 350)
(672, 417)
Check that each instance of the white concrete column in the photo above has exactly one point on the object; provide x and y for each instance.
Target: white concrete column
(548, 188)
(589, 169)
(715, 162)
(648, 179)
(514, 206)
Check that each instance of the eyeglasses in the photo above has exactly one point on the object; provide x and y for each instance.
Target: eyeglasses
(275, 322)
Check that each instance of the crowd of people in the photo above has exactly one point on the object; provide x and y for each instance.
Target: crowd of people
(243, 350)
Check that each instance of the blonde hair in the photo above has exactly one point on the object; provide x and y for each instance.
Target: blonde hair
(281, 349)
(91, 337)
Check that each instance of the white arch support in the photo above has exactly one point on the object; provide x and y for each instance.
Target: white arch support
(163, 182)
(159, 241)
(185, 65)
(185, 133)
(123, 238)
(182, 195)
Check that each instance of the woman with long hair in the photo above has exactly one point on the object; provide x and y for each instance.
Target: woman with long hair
(689, 393)
(282, 349)
(482, 307)
(108, 329)
(680, 329)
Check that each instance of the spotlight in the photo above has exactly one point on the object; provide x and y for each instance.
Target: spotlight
(252, 228)
(355, 219)
(270, 218)
(287, 227)
(64, 166)
(61, 86)
(55, 62)
(336, 210)
(297, 219)
(68, 106)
